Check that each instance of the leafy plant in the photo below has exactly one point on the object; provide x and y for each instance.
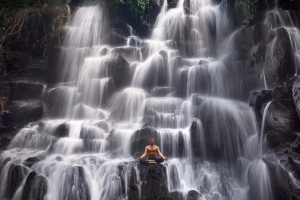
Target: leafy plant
(134, 5)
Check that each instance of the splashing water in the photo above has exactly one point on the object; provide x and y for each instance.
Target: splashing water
(181, 82)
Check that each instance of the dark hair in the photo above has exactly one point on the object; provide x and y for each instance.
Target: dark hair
(152, 137)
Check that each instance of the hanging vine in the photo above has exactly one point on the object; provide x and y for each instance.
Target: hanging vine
(16, 16)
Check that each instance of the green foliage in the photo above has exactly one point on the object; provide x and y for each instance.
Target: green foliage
(16, 15)
(134, 5)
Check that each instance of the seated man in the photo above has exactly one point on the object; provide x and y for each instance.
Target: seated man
(152, 150)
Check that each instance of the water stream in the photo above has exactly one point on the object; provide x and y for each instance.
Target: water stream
(180, 79)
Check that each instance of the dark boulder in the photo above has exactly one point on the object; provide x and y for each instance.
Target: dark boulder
(22, 112)
(281, 122)
(279, 62)
(284, 119)
(130, 54)
(103, 125)
(15, 177)
(176, 195)
(195, 141)
(115, 39)
(122, 28)
(75, 178)
(296, 95)
(61, 130)
(6, 136)
(35, 187)
(162, 91)
(258, 100)
(33, 160)
(193, 195)
(283, 92)
(154, 182)
(289, 5)
(118, 69)
(21, 90)
(140, 139)
(279, 177)
(261, 33)
(144, 30)
(133, 190)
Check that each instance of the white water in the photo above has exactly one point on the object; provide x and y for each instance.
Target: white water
(87, 140)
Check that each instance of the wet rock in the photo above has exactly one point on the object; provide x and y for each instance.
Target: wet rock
(162, 91)
(256, 55)
(115, 39)
(260, 33)
(75, 178)
(195, 141)
(279, 62)
(35, 187)
(103, 125)
(258, 99)
(274, 139)
(133, 190)
(193, 195)
(118, 69)
(130, 54)
(15, 177)
(284, 118)
(6, 136)
(25, 90)
(122, 28)
(176, 195)
(33, 160)
(289, 5)
(140, 139)
(174, 177)
(62, 130)
(172, 4)
(279, 178)
(144, 30)
(283, 92)
(154, 183)
(296, 95)
(22, 112)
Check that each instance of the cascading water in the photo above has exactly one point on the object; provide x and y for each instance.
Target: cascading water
(180, 82)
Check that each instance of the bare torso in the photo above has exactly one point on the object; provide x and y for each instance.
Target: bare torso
(152, 150)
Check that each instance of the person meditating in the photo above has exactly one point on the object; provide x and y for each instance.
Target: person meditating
(152, 150)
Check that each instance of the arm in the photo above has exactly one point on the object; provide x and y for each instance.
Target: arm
(144, 154)
(160, 154)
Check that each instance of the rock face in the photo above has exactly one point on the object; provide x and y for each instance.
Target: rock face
(35, 187)
(289, 5)
(140, 139)
(21, 90)
(133, 190)
(154, 184)
(296, 95)
(193, 195)
(281, 125)
(6, 135)
(16, 175)
(22, 112)
(75, 179)
(280, 61)
(118, 69)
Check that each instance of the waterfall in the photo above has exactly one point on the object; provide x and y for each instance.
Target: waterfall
(182, 82)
